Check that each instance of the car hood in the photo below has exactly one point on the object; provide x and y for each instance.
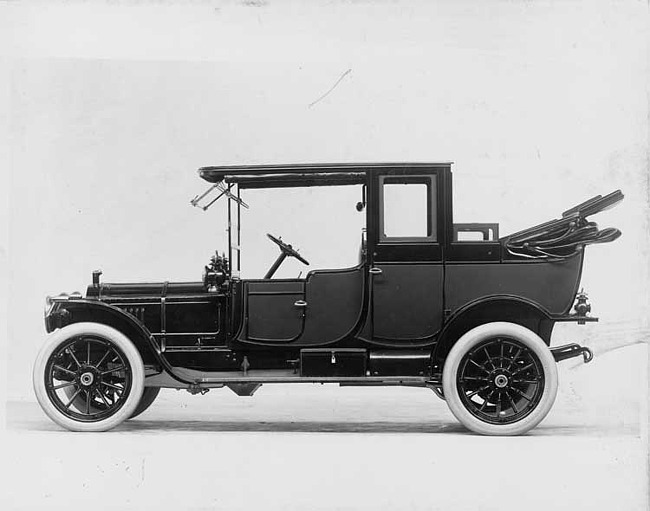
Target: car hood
(158, 289)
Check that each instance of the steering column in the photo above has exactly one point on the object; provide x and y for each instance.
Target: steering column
(286, 250)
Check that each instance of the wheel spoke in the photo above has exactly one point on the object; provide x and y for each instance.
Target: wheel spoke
(62, 385)
(88, 352)
(486, 401)
(475, 378)
(73, 398)
(479, 365)
(530, 382)
(88, 398)
(103, 398)
(103, 357)
(501, 358)
(489, 358)
(112, 386)
(114, 370)
(498, 413)
(512, 402)
(71, 353)
(521, 394)
(477, 391)
(523, 369)
(59, 368)
(514, 359)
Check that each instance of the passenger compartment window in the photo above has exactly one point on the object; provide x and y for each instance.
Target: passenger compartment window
(476, 232)
(470, 236)
(408, 207)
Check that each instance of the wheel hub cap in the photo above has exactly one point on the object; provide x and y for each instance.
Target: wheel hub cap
(501, 381)
(87, 379)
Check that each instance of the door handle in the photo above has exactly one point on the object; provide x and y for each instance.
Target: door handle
(300, 303)
(375, 271)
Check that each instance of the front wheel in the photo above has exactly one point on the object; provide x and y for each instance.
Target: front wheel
(149, 395)
(88, 377)
(96, 405)
(500, 379)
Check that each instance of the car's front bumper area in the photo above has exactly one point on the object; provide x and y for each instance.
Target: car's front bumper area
(55, 315)
(57, 318)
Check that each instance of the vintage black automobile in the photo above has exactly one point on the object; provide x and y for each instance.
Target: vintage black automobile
(452, 307)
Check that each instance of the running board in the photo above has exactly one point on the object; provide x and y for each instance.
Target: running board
(572, 350)
(227, 379)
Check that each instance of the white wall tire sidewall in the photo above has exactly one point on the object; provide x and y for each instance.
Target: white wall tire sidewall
(54, 340)
(474, 337)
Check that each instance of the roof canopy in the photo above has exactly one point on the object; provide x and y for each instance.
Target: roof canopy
(295, 175)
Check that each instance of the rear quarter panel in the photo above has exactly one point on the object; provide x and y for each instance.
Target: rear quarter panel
(551, 284)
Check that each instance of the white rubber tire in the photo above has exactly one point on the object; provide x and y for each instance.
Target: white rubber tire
(62, 335)
(477, 335)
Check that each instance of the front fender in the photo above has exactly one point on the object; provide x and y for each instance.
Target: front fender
(80, 310)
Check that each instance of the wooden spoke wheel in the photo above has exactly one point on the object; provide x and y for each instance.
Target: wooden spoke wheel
(500, 379)
(88, 377)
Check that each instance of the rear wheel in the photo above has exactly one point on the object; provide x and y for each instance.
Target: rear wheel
(88, 377)
(500, 379)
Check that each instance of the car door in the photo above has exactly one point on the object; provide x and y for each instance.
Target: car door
(274, 310)
(406, 271)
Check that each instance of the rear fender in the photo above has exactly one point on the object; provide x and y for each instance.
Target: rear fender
(507, 308)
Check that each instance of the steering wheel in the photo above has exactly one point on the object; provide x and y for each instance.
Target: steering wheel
(287, 249)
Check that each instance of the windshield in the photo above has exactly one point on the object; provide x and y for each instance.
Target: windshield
(322, 223)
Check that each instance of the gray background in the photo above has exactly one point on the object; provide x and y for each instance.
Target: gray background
(113, 107)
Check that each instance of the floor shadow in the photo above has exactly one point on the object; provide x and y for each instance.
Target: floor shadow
(291, 426)
(28, 418)
(163, 426)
